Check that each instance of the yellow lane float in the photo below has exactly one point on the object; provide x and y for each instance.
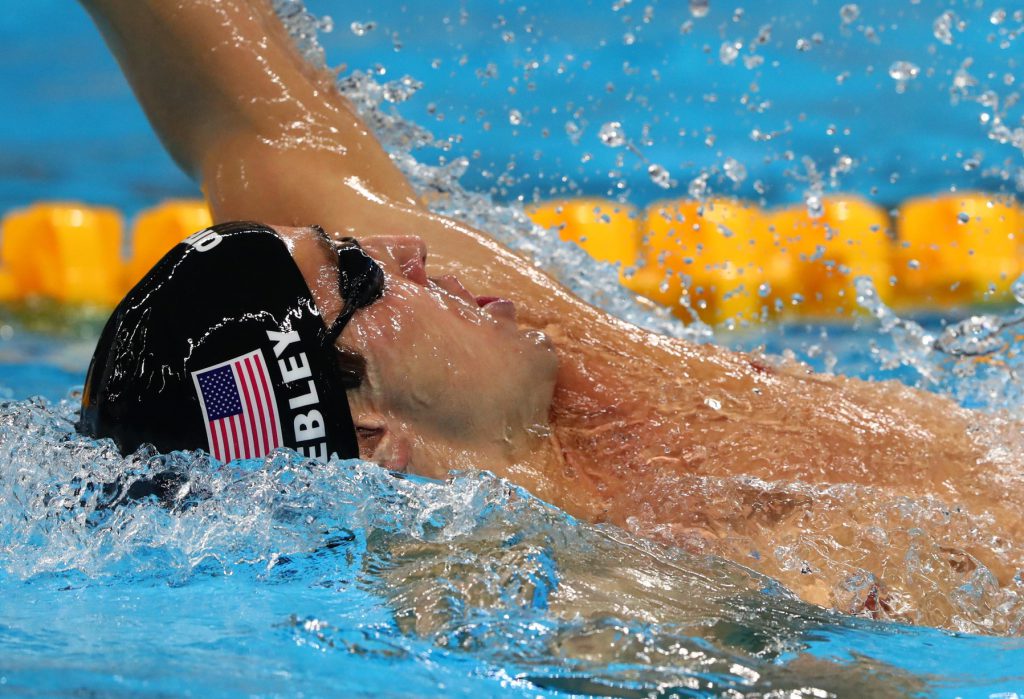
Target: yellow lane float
(957, 248)
(817, 259)
(609, 232)
(72, 253)
(159, 229)
(67, 252)
(719, 259)
(702, 256)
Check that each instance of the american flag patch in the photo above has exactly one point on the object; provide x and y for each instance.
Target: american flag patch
(239, 408)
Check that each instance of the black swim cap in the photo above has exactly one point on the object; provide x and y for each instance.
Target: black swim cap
(220, 347)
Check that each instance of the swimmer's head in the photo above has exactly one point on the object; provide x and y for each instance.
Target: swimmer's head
(223, 347)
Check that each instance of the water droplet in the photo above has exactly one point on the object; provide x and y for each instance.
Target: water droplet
(612, 135)
(398, 91)
(698, 188)
(751, 62)
(903, 72)
(998, 16)
(963, 217)
(362, 28)
(849, 13)
(729, 51)
(913, 264)
(764, 290)
(515, 117)
(942, 27)
(659, 175)
(815, 206)
(734, 170)
(699, 8)
(1017, 289)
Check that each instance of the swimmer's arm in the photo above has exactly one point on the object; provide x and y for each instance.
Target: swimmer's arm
(220, 77)
(272, 139)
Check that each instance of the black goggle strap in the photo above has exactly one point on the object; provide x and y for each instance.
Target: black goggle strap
(360, 282)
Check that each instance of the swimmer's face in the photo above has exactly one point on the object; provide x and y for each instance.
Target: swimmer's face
(441, 364)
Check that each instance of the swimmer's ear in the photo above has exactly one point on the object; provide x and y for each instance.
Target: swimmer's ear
(382, 443)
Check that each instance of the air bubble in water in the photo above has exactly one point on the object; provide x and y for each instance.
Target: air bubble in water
(515, 117)
(963, 217)
(803, 44)
(612, 135)
(362, 28)
(903, 72)
(849, 13)
(699, 8)
(734, 170)
(659, 175)
(998, 16)
(942, 27)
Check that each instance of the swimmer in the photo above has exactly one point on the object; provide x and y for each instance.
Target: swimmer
(469, 357)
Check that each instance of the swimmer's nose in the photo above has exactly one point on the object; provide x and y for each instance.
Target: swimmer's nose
(408, 251)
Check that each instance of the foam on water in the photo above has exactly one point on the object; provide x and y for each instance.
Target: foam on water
(976, 360)
(473, 565)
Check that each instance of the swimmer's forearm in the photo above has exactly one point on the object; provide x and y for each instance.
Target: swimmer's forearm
(209, 72)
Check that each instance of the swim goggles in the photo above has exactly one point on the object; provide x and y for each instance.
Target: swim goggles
(360, 283)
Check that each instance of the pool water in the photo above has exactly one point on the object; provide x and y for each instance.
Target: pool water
(284, 577)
